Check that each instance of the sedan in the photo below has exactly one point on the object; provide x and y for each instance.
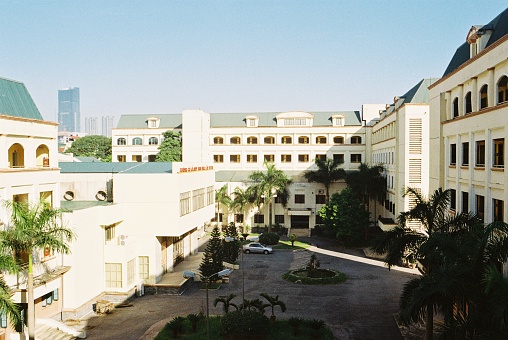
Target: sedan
(256, 247)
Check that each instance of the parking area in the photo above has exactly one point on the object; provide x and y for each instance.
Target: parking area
(361, 308)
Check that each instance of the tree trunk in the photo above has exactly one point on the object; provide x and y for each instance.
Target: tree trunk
(30, 299)
(270, 217)
(429, 323)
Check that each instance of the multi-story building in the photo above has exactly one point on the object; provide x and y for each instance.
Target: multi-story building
(107, 125)
(238, 144)
(400, 142)
(468, 125)
(91, 127)
(69, 116)
(29, 173)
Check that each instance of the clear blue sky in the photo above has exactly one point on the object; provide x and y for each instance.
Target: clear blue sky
(230, 56)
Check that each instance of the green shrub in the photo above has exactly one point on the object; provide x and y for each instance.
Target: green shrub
(326, 277)
(269, 238)
(245, 324)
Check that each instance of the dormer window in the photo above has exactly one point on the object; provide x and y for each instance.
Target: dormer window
(294, 119)
(338, 120)
(153, 123)
(477, 38)
(252, 121)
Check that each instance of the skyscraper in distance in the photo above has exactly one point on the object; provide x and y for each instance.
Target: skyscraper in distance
(69, 116)
(107, 125)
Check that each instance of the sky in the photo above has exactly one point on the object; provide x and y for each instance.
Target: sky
(161, 57)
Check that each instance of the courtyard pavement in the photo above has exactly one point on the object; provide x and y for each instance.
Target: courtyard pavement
(361, 308)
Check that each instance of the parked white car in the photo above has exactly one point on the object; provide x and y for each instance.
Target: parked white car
(256, 247)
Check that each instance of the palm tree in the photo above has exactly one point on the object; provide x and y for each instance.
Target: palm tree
(327, 172)
(368, 183)
(9, 308)
(222, 199)
(32, 228)
(242, 198)
(268, 183)
(255, 304)
(403, 242)
(272, 302)
(226, 301)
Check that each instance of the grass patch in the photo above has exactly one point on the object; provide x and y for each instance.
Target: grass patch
(297, 275)
(286, 244)
(280, 330)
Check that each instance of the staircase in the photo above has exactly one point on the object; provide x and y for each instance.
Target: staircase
(45, 332)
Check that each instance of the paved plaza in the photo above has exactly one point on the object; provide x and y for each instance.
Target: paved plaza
(361, 308)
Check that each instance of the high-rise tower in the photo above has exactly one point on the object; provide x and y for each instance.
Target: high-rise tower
(68, 110)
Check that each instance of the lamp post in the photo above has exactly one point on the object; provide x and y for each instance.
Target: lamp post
(188, 274)
(231, 239)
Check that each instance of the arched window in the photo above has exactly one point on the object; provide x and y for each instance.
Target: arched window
(303, 140)
(252, 140)
(218, 140)
(153, 141)
(137, 141)
(484, 101)
(234, 140)
(42, 156)
(356, 140)
(467, 101)
(321, 140)
(338, 140)
(502, 90)
(269, 140)
(455, 112)
(286, 140)
(121, 141)
(16, 156)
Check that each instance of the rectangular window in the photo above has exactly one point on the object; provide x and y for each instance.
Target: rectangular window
(185, 203)
(121, 158)
(294, 121)
(453, 199)
(144, 269)
(279, 219)
(303, 158)
(218, 158)
(321, 157)
(278, 199)
(320, 199)
(319, 219)
(285, 158)
(453, 154)
(299, 199)
(480, 153)
(234, 158)
(113, 275)
(136, 158)
(465, 202)
(499, 153)
(131, 271)
(480, 207)
(198, 198)
(338, 158)
(465, 153)
(498, 207)
(110, 232)
(252, 158)
(56, 295)
(3, 320)
(239, 218)
(259, 218)
(356, 158)
(269, 158)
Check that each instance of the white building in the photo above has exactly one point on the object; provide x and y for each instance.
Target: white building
(134, 222)
(469, 110)
(29, 173)
(400, 142)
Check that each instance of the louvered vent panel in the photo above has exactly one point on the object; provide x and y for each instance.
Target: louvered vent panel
(415, 136)
(415, 171)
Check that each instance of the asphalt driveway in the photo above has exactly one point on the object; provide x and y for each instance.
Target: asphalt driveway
(361, 308)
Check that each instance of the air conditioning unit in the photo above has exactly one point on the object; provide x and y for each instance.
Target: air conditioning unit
(320, 192)
(122, 239)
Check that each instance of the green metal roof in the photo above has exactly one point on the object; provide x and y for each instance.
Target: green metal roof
(117, 167)
(69, 206)
(136, 121)
(243, 175)
(16, 101)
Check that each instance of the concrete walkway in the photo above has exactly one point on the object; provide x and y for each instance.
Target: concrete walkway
(361, 308)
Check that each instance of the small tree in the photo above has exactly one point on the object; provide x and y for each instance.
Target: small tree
(292, 239)
(226, 302)
(255, 304)
(92, 146)
(231, 248)
(272, 303)
(194, 319)
(176, 325)
(213, 256)
(344, 216)
(170, 149)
